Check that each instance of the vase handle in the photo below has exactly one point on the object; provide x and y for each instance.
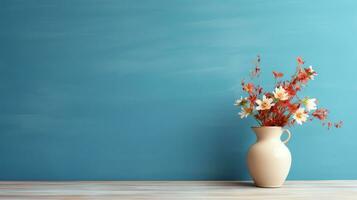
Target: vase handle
(289, 136)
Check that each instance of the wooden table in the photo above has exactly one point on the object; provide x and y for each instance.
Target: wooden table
(304, 190)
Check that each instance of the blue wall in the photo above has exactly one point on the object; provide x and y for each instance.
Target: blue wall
(116, 90)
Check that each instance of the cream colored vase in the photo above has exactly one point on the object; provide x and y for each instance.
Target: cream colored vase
(269, 159)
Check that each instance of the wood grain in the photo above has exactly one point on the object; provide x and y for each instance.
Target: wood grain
(293, 190)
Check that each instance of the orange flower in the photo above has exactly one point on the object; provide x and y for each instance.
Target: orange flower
(277, 74)
(293, 107)
(249, 87)
(252, 99)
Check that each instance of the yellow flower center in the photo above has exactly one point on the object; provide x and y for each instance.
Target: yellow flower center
(298, 115)
(265, 105)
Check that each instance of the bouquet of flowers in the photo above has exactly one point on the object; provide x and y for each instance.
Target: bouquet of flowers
(282, 107)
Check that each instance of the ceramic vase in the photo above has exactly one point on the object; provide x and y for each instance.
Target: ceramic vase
(269, 159)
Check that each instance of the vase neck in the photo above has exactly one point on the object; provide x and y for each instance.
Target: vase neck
(268, 133)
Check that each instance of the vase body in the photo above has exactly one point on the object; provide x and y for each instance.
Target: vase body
(269, 159)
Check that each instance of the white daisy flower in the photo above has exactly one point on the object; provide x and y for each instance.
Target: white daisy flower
(281, 94)
(310, 104)
(264, 104)
(241, 102)
(300, 116)
(245, 112)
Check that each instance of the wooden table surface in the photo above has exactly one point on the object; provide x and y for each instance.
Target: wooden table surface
(304, 190)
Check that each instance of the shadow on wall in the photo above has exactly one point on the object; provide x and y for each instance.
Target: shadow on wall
(226, 143)
(232, 150)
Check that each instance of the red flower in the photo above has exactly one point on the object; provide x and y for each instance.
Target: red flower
(303, 77)
(249, 87)
(290, 90)
(320, 114)
(293, 107)
(252, 99)
(300, 60)
(310, 72)
(277, 74)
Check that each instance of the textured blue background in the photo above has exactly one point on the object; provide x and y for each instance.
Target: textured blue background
(116, 90)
